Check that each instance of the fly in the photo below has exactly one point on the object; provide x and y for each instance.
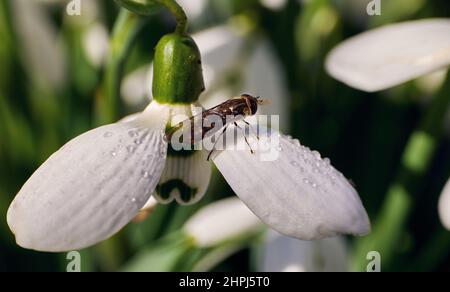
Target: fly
(227, 113)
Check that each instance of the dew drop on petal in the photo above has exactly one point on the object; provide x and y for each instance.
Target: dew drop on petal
(107, 135)
(113, 153)
(317, 155)
(131, 149)
(294, 163)
(132, 133)
(306, 181)
(145, 174)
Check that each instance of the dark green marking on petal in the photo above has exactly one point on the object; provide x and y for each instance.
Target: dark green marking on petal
(182, 153)
(186, 192)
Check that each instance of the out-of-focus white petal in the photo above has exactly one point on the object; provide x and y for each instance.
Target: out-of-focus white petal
(291, 188)
(91, 187)
(135, 87)
(43, 54)
(274, 4)
(444, 206)
(285, 254)
(96, 44)
(193, 9)
(221, 221)
(391, 55)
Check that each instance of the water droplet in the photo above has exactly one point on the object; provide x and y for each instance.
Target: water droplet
(306, 181)
(137, 142)
(107, 134)
(132, 133)
(326, 161)
(113, 153)
(297, 143)
(131, 149)
(314, 185)
(145, 174)
(294, 163)
(133, 200)
(317, 155)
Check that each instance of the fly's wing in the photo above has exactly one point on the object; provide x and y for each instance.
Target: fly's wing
(203, 125)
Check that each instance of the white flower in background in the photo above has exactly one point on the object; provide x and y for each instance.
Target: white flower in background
(274, 4)
(221, 221)
(229, 219)
(43, 52)
(285, 254)
(391, 55)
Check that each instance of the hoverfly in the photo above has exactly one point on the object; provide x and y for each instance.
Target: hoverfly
(227, 113)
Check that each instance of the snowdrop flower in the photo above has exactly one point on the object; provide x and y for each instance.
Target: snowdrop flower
(221, 221)
(391, 55)
(285, 254)
(99, 181)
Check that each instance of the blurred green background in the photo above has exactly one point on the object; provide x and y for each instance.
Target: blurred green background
(54, 89)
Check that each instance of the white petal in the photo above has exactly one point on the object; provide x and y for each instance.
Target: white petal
(185, 177)
(220, 221)
(391, 55)
(91, 187)
(444, 206)
(285, 254)
(292, 189)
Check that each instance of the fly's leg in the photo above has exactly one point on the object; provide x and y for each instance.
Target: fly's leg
(251, 128)
(215, 143)
(245, 137)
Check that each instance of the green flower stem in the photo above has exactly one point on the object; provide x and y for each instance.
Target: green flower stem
(125, 31)
(418, 155)
(179, 14)
(149, 7)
